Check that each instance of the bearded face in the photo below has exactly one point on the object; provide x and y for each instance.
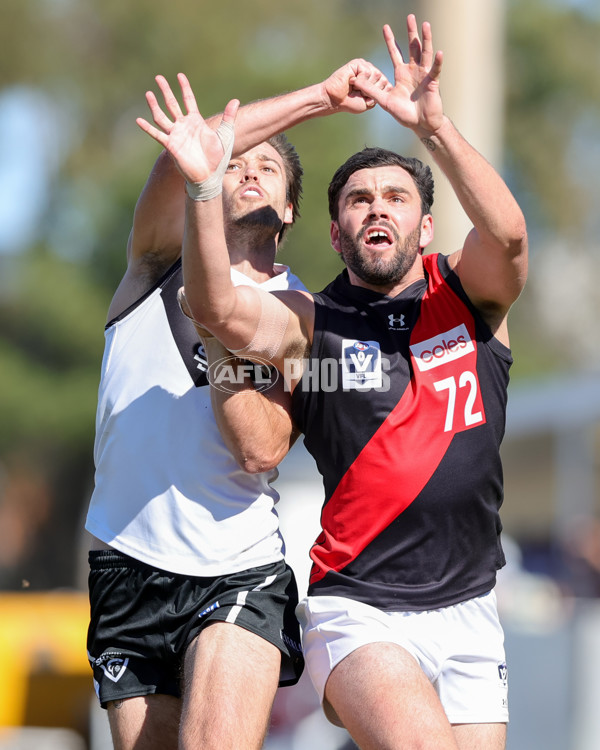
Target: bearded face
(379, 268)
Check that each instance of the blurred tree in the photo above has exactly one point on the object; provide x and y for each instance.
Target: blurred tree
(553, 86)
(553, 164)
(51, 317)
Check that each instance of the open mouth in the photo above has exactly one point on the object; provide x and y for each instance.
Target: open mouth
(251, 192)
(378, 237)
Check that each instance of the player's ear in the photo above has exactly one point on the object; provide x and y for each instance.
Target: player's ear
(288, 214)
(426, 230)
(334, 234)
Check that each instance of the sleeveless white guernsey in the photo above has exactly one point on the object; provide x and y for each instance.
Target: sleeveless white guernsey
(167, 490)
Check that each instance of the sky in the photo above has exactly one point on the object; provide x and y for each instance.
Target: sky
(34, 140)
(24, 169)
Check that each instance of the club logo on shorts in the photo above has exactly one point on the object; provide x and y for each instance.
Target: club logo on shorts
(114, 668)
(361, 364)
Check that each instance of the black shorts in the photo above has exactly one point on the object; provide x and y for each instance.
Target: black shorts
(143, 619)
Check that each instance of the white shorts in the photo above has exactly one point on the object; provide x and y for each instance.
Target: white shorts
(459, 648)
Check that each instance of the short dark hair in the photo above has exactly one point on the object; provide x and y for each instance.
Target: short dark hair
(293, 175)
(380, 157)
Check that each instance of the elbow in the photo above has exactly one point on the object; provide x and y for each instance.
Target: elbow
(197, 313)
(258, 463)
(519, 248)
(514, 244)
(193, 306)
(210, 312)
(255, 467)
(517, 251)
(518, 241)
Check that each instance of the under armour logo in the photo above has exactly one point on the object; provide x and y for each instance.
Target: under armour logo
(396, 322)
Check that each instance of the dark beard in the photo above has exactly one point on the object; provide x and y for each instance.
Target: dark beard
(380, 272)
(264, 223)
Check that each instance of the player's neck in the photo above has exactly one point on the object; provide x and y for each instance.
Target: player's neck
(256, 263)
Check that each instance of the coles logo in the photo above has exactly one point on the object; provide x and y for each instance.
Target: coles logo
(443, 348)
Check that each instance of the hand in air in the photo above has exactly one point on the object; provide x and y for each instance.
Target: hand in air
(414, 99)
(194, 146)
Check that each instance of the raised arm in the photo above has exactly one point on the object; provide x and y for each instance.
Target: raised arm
(244, 319)
(159, 213)
(492, 264)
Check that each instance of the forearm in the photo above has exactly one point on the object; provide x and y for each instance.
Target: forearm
(209, 291)
(492, 264)
(255, 427)
(482, 192)
(159, 211)
(260, 120)
(257, 433)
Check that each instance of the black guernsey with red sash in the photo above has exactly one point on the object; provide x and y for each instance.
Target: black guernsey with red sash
(403, 405)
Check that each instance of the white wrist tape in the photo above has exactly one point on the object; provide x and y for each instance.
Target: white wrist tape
(272, 325)
(213, 185)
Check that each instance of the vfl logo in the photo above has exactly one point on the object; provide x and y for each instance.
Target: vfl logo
(395, 323)
(361, 365)
(115, 668)
(445, 347)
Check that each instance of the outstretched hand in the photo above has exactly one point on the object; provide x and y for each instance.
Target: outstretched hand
(194, 146)
(414, 99)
